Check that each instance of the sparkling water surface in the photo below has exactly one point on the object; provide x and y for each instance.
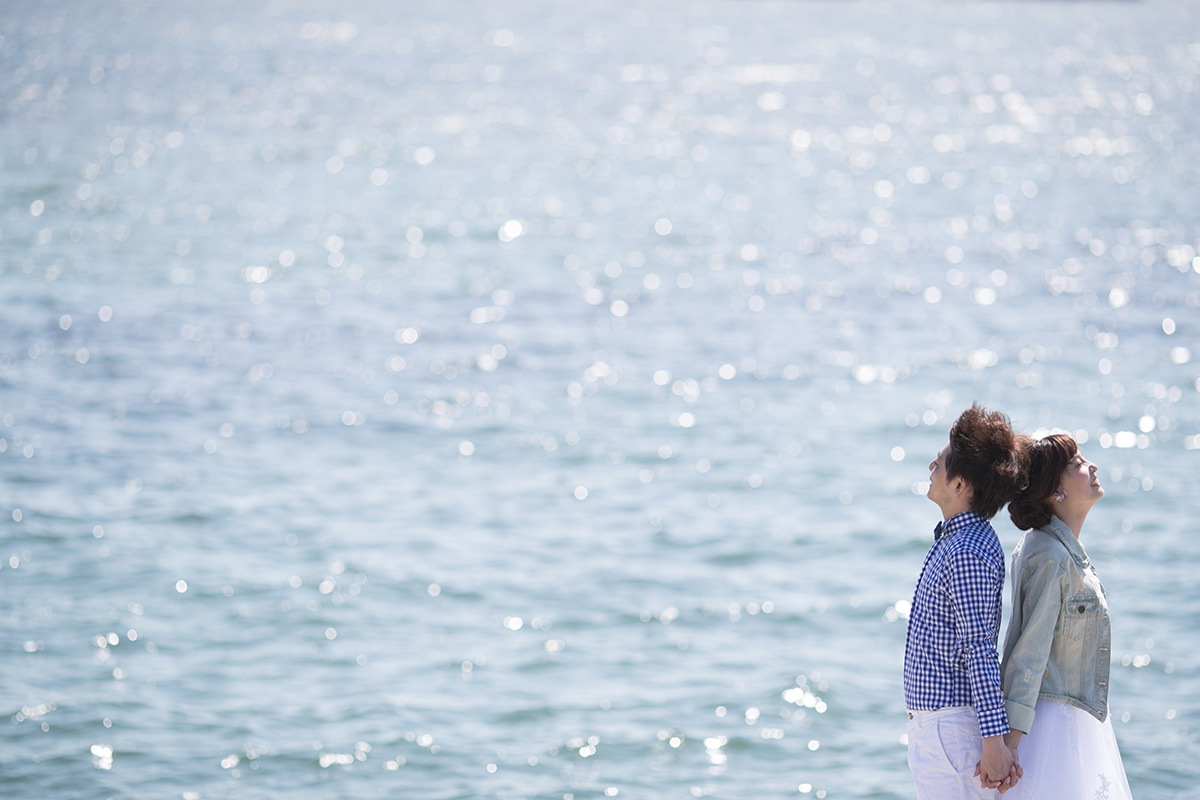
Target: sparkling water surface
(498, 400)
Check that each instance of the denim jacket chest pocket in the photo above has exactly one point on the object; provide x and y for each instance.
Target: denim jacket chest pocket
(1079, 615)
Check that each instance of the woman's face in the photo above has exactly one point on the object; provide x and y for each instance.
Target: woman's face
(1080, 483)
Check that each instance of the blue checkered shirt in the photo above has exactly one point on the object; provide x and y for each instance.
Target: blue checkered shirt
(950, 654)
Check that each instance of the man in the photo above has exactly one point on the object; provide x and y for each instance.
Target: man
(956, 717)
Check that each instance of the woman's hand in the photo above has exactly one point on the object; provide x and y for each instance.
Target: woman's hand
(998, 768)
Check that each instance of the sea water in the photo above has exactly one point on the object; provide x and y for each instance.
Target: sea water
(534, 400)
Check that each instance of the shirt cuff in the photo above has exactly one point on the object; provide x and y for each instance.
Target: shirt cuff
(992, 722)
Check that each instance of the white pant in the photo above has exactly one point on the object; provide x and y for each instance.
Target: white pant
(943, 748)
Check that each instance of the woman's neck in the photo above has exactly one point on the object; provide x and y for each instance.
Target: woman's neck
(1073, 517)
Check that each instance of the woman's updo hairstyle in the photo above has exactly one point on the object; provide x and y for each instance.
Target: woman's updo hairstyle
(1044, 461)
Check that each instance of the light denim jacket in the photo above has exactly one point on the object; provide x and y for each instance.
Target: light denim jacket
(1059, 635)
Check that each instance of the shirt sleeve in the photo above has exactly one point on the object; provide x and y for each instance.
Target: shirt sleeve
(975, 587)
(1040, 595)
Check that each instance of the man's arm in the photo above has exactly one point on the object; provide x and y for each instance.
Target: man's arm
(975, 586)
(975, 599)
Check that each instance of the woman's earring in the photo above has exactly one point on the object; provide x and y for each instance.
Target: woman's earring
(1060, 495)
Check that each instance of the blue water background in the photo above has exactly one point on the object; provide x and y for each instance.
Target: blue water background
(534, 400)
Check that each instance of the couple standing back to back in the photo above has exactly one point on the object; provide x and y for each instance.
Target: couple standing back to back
(1034, 723)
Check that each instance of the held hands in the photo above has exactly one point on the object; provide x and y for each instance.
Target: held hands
(1000, 768)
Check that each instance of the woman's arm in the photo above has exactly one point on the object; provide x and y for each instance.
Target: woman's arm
(1041, 597)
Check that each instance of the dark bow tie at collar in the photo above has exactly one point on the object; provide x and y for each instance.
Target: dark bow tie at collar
(937, 531)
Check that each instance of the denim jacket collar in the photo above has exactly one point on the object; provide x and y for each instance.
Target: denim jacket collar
(1059, 529)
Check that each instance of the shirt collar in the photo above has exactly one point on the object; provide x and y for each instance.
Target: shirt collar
(954, 524)
(1059, 529)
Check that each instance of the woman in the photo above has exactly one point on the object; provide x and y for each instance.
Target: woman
(1056, 655)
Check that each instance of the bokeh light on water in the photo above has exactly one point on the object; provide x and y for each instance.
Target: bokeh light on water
(492, 400)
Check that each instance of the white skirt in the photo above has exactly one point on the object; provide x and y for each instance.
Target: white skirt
(1069, 755)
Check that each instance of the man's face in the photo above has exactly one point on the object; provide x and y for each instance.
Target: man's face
(940, 490)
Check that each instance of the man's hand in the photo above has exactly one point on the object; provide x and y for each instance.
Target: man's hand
(999, 768)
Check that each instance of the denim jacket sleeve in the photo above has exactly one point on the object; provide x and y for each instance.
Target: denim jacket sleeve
(1040, 593)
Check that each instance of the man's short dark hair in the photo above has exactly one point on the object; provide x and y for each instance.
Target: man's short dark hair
(984, 452)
